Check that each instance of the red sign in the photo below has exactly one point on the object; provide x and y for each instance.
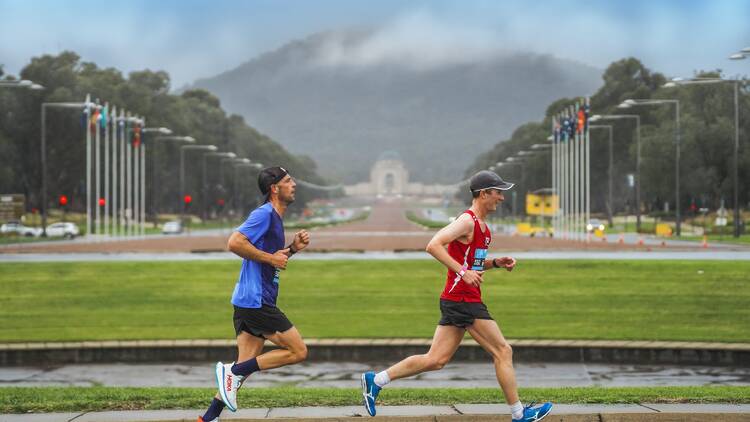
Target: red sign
(220, 202)
(63, 201)
(188, 199)
(102, 202)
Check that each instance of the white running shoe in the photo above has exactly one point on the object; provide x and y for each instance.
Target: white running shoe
(228, 384)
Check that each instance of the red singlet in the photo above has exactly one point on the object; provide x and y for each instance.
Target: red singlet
(472, 255)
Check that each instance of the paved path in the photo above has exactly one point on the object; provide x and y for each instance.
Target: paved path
(385, 229)
(456, 412)
(346, 375)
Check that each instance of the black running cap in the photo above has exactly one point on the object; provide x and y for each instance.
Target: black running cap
(270, 176)
(486, 179)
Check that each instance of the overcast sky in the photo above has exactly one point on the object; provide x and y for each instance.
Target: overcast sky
(192, 39)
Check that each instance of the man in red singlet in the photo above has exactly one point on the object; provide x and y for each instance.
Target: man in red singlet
(467, 239)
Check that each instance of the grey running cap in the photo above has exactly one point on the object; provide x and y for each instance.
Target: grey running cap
(486, 179)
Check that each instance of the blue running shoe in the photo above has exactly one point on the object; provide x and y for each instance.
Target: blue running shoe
(370, 391)
(531, 413)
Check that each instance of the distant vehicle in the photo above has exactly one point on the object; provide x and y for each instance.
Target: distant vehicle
(63, 229)
(596, 227)
(172, 227)
(19, 229)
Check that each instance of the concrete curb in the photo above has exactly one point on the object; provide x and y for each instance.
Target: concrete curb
(380, 350)
(457, 412)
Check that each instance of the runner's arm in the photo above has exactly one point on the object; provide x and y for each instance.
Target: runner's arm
(504, 262)
(460, 227)
(242, 247)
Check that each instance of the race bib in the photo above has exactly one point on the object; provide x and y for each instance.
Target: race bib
(479, 256)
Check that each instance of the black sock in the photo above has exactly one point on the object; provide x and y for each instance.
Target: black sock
(246, 368)
(214, 410)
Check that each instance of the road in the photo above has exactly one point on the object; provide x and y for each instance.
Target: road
(346, 375)
(385, 229)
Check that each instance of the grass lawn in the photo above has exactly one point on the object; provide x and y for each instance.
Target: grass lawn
(80, 399)
(648, 300)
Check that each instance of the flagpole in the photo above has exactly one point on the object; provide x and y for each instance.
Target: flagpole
(97, 170)
(554, 176)
(136, 177)
(106, 168)
(113, 132)
(566, 179)
(122, 142)
(142, 147)
(88, 165)
(587, 141)
(129, 178)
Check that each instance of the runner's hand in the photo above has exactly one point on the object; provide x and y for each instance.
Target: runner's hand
(301, 240)
(472, 277)
(280, 258)
(506, 262)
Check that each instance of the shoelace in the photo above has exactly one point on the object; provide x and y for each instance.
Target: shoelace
(529, 406)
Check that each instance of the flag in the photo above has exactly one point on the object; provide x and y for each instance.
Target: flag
(556, 129)
(586, 112)
(104, 115)
(137, 135)
(565, 128)
(581, 124)
(94, 120)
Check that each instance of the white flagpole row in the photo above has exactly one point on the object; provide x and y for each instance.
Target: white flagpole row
(571, 172)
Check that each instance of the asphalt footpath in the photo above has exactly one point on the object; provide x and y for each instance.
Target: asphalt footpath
(456, 412)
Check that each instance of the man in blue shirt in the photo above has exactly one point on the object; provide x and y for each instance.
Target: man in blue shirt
(260, 242)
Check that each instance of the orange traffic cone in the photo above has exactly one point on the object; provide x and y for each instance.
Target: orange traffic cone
(705, 241)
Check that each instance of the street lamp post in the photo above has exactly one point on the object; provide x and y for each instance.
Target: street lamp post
(144, 131)
(24, 83)
(637, 158)
(184, 149)
(155, 178)
(610, 204)
(633, 103)
(510, 161)
(238, 164)
(204, 190)
(735, 175)
(43, 208)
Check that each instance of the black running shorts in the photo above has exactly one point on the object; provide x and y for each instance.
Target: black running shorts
(260, 321)
(462, 314)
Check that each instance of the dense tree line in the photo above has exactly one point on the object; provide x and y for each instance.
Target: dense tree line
(707, 129)
(146, 93)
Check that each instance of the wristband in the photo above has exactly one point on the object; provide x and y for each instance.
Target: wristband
(463, 271)
(494, 263)
(291, 249)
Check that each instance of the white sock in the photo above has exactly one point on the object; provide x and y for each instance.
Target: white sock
(516, 410)
(381, 379)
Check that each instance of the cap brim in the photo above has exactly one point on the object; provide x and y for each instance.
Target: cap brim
(506, 186)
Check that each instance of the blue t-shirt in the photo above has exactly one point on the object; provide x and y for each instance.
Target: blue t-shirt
(258, 284)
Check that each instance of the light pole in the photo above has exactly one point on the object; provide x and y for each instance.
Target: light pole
(633, 103)
(87, 104)
(238, 164)
(204, 191)
(142, 147)
(521, 164)
(155, 179)
(637, 158)
(610, 204)
(184, 149)
(735, 175)
(24, 83)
